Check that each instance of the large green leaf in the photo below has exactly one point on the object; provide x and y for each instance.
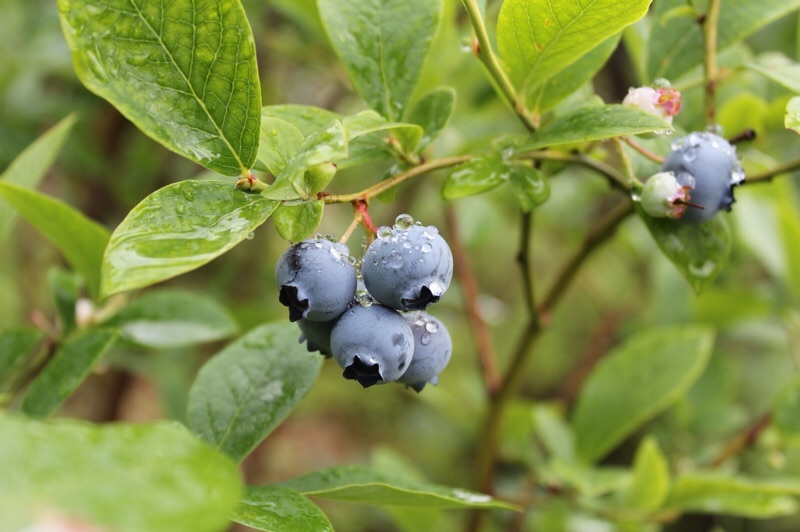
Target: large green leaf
(245, 391)
(431, 112)
(280, 141)
(718, 494)
(307, 118)
(66, 371)
(177, 229)
(635, 382)
(278, 509)
(165, 319)
(183, 71)
(778, 68)
(698, 251)
(382, 44)
(544, 96)
(676, 42)
(30, 166)
(153, 477)
(539, 38)
(595, 122)
(14, 345)
(80, 239)
(364, 485)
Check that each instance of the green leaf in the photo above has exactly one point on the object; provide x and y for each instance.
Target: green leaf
(166, 319)
(66, 370)
(307, 118)
(280, 142)
(153, 477)
(650, 483)
(296, 222)
(247, 389)
(778, 68)
(178, 229)
(367, 122)
(278, 509)
(698, 251)
(595, 122)
(676, 42)
(382, 44)
(367, 486)
(80, 239)
(66, 289)
(529, 186)
(717, 494)
(14, 345)
(476, 176)
(184, 72)
(539, 38)
(328, 145)
(30, 166)
(786, 410)
(792, 120)
(544, 96)
(635, 382)
(591, 482)
(431, 112)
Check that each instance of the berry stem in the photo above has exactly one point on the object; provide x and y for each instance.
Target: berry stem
(383, 186)
(767, 175)
(709, 23)
(644, 151)
(633, 182)
(614, 177)
(483, 51)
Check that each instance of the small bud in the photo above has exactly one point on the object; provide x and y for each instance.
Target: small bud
(664, 197)
(663, 102)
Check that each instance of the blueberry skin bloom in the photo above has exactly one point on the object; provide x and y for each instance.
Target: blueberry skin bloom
(407, 268)
(372, 344)
(706, 165)
(316, 280)
(432, 350)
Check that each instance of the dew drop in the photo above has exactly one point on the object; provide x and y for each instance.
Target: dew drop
(384, 232)
(180, 208)
(395, 260)
(690, 154)
(273, 132)
(407, 244)
(404, 221)
(250, 236)
(431, 327)
(425, 338)
(430, 232)
(187, 193)
(426, 248)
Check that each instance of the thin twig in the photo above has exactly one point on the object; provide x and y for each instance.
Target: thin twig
(767, 175)
(615, 178)
(469, 285)
(644, 151)
(742, 440)
(710, 26)
(525, 262)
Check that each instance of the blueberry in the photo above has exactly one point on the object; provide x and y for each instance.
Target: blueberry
(432, 350)
(316, 280)
(372, 344)
(705, 165)
(317, 335)
(407, 267)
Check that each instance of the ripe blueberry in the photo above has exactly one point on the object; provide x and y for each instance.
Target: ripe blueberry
(316, 280)
(372, 344)
(432, 350)
(407, 267)
(317, 335)
(705, 165)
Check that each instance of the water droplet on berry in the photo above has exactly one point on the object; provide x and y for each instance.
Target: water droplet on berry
(737, 175)
(384, 232)
(407, 244)
(404, 221)
(430, 232)
(426, 248)
(431, 327)
(690, 154)
(395, 260)
(425, 338)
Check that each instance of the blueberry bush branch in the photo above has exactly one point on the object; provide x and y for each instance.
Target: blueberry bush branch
(709, 23)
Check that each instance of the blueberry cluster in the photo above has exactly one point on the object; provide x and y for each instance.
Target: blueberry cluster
(373, 321)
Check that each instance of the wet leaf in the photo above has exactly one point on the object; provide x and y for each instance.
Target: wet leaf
(166, 319)
(280, 142)
(596, 122)
(178, 229)
(278, 509)
(635, 382)
(367, 486)
(248, 388)
(297, 222)
(538, 39)
(184, 72)
(153, 477)
(698, 251)
(431, 112)
(80, 239)
(478, 175)
(529, 186)
(382, 44)
(30, 166)
(68, 368)
(306, 118)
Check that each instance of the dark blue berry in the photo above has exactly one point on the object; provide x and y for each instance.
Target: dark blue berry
(432, 350)
(317, 335)
(373, 344)
(316, 280)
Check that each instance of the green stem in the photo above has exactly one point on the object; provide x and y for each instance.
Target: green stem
(710, 26)
(383, 186)
(767, 175)
(485, 53)
(615, 178)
